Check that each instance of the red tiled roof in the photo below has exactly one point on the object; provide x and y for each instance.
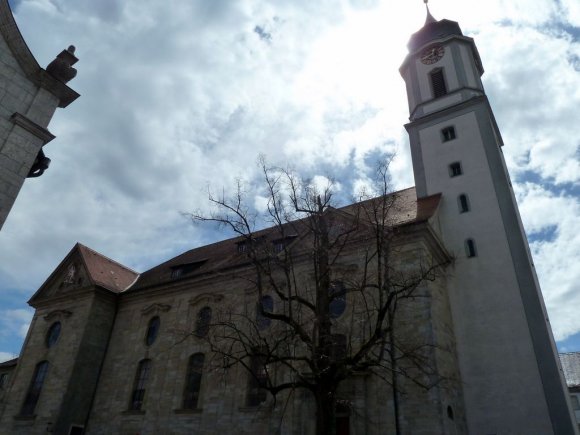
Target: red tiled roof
(106, 272)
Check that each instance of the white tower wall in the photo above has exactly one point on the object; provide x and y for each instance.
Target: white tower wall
(511, 377)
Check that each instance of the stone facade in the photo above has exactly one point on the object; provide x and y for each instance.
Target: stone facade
(93, 364)
(29, 97)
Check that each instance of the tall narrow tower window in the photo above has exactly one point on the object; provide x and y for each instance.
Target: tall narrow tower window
(448, 133)
(470, 248)
(438, 83)
(463, 203)
(455, 169)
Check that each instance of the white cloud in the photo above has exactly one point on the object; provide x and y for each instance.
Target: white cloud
(15, 323)
(5, 356)
(556, 257)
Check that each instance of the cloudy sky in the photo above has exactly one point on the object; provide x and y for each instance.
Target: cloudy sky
(181, 94)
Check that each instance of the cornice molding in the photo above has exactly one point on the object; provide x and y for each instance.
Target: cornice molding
(57, 314)
(32, 127)
(211, 297)
(155, 309)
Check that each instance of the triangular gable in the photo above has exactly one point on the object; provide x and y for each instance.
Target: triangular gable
(83, 267)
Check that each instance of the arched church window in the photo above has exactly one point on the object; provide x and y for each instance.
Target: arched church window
(152, 330)
(35, 388)
(438, 83)
(257, 380)
(265, 305)
(140, 384)
(193, 381)
(53, 334)
(203, 322)
(470, 248)
(463, 203)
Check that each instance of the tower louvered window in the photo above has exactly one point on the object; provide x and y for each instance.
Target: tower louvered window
(438, 83)
(463, 203)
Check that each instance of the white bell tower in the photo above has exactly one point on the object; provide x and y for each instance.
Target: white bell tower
(511, 375)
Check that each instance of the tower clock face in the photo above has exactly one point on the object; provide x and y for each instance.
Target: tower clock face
(432, 54)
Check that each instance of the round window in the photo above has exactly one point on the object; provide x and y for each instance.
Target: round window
(53, 334)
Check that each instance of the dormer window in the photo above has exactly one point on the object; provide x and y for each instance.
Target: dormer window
(185, 268)
(280, 244)
(438, 83)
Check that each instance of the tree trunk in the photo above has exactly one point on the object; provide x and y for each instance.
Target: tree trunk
(325, 411)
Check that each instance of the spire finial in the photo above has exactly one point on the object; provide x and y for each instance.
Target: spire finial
(430, 18)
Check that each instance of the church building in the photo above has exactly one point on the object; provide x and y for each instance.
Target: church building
(114, 351)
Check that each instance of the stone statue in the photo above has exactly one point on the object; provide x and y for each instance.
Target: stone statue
(61, 67)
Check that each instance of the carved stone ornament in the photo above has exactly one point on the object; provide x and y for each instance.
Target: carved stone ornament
(57, 314)
(71, 272)
(155, 309)
(211, 297)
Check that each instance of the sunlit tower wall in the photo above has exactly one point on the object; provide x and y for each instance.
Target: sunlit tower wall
(29, 96)
(511, 376)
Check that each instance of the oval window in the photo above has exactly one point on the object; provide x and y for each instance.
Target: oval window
(152, 330)
(203, 321)
(53, 334)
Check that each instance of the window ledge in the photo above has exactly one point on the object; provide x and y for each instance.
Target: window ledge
(133, 412)
(188, 411)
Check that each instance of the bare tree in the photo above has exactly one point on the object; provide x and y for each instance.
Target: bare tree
(339, 280)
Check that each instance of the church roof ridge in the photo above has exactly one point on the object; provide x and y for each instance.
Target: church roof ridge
(223, 254)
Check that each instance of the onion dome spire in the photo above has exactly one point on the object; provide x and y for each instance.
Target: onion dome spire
(430, 18)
